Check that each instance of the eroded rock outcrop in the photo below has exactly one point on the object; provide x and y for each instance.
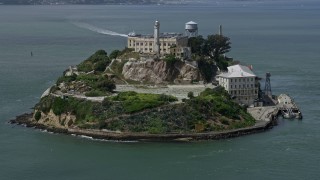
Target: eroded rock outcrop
(158, 72)
(64, 120)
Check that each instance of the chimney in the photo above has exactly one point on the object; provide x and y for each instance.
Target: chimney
(156, 47)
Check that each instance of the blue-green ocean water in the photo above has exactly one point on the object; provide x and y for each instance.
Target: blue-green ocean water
(281, 37)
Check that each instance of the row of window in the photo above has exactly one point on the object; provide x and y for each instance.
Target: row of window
(150, 44)
(242, 80)
(150, 49)
(241, 86)
(242, 92)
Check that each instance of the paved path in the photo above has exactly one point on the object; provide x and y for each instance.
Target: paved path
(262, 114)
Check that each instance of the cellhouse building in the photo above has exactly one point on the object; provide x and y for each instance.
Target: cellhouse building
(160, 44)
(241, 83)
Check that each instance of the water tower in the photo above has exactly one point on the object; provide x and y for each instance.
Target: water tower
(191, 29)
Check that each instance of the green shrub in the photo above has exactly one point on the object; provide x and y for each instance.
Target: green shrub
(66, 79)
(106, 85)
(37, 116)
(156, 126)
(98, 62)
(114, 54)
(100, 66)
(59, 106)
(190, 95)
(224, 120)
(170, 59)
(133, 102)
(45, 104)
(95, 93)
(106, 102)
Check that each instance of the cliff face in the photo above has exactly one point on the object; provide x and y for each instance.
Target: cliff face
(64, 120)
(154, 71)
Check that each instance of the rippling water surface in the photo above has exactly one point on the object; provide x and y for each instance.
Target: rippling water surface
(281, 37)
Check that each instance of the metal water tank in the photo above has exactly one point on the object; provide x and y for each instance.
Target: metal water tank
(191, 26)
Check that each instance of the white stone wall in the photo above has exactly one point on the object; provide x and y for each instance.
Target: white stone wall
(242, 88)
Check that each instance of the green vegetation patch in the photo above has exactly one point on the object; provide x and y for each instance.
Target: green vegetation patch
(84, 110)
(128, 53)
(212, 110)
(97, 62)
(37, 115)
(97, 82)
(134, 102)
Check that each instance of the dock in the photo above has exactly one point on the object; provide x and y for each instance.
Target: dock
(283, 106)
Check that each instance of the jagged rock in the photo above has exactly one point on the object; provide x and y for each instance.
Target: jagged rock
(157, 72)
(61, 121)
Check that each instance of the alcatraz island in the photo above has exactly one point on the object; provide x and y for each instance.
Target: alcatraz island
(161, 87)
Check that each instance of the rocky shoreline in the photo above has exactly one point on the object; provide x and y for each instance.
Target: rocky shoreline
(26, 119)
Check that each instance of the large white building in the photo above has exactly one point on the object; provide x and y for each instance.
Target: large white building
(160, 43)
(241, 83)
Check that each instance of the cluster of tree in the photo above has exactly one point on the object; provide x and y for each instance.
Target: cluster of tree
(210, 52)
(97, 62)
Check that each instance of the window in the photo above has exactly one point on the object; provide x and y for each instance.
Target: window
(230, 86)
(235, 80)
(230, 80)
(235, 86)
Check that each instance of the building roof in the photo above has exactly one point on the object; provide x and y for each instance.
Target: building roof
(161, 35)
(238, 71)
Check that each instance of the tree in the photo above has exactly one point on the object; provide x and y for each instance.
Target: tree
(196, 44)
(114, 54)
(216, 45)
(207, 69)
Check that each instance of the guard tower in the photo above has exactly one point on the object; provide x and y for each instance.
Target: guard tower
(191, 29)
(267, 86)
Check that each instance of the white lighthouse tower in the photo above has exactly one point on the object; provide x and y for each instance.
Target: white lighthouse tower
(156, 47)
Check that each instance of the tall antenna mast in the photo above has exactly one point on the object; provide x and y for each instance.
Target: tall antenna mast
(220, 30)
(267, 86)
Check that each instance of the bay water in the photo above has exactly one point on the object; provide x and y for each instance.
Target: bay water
(280, 37)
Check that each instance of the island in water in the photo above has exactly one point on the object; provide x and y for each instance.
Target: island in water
(161, 87)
